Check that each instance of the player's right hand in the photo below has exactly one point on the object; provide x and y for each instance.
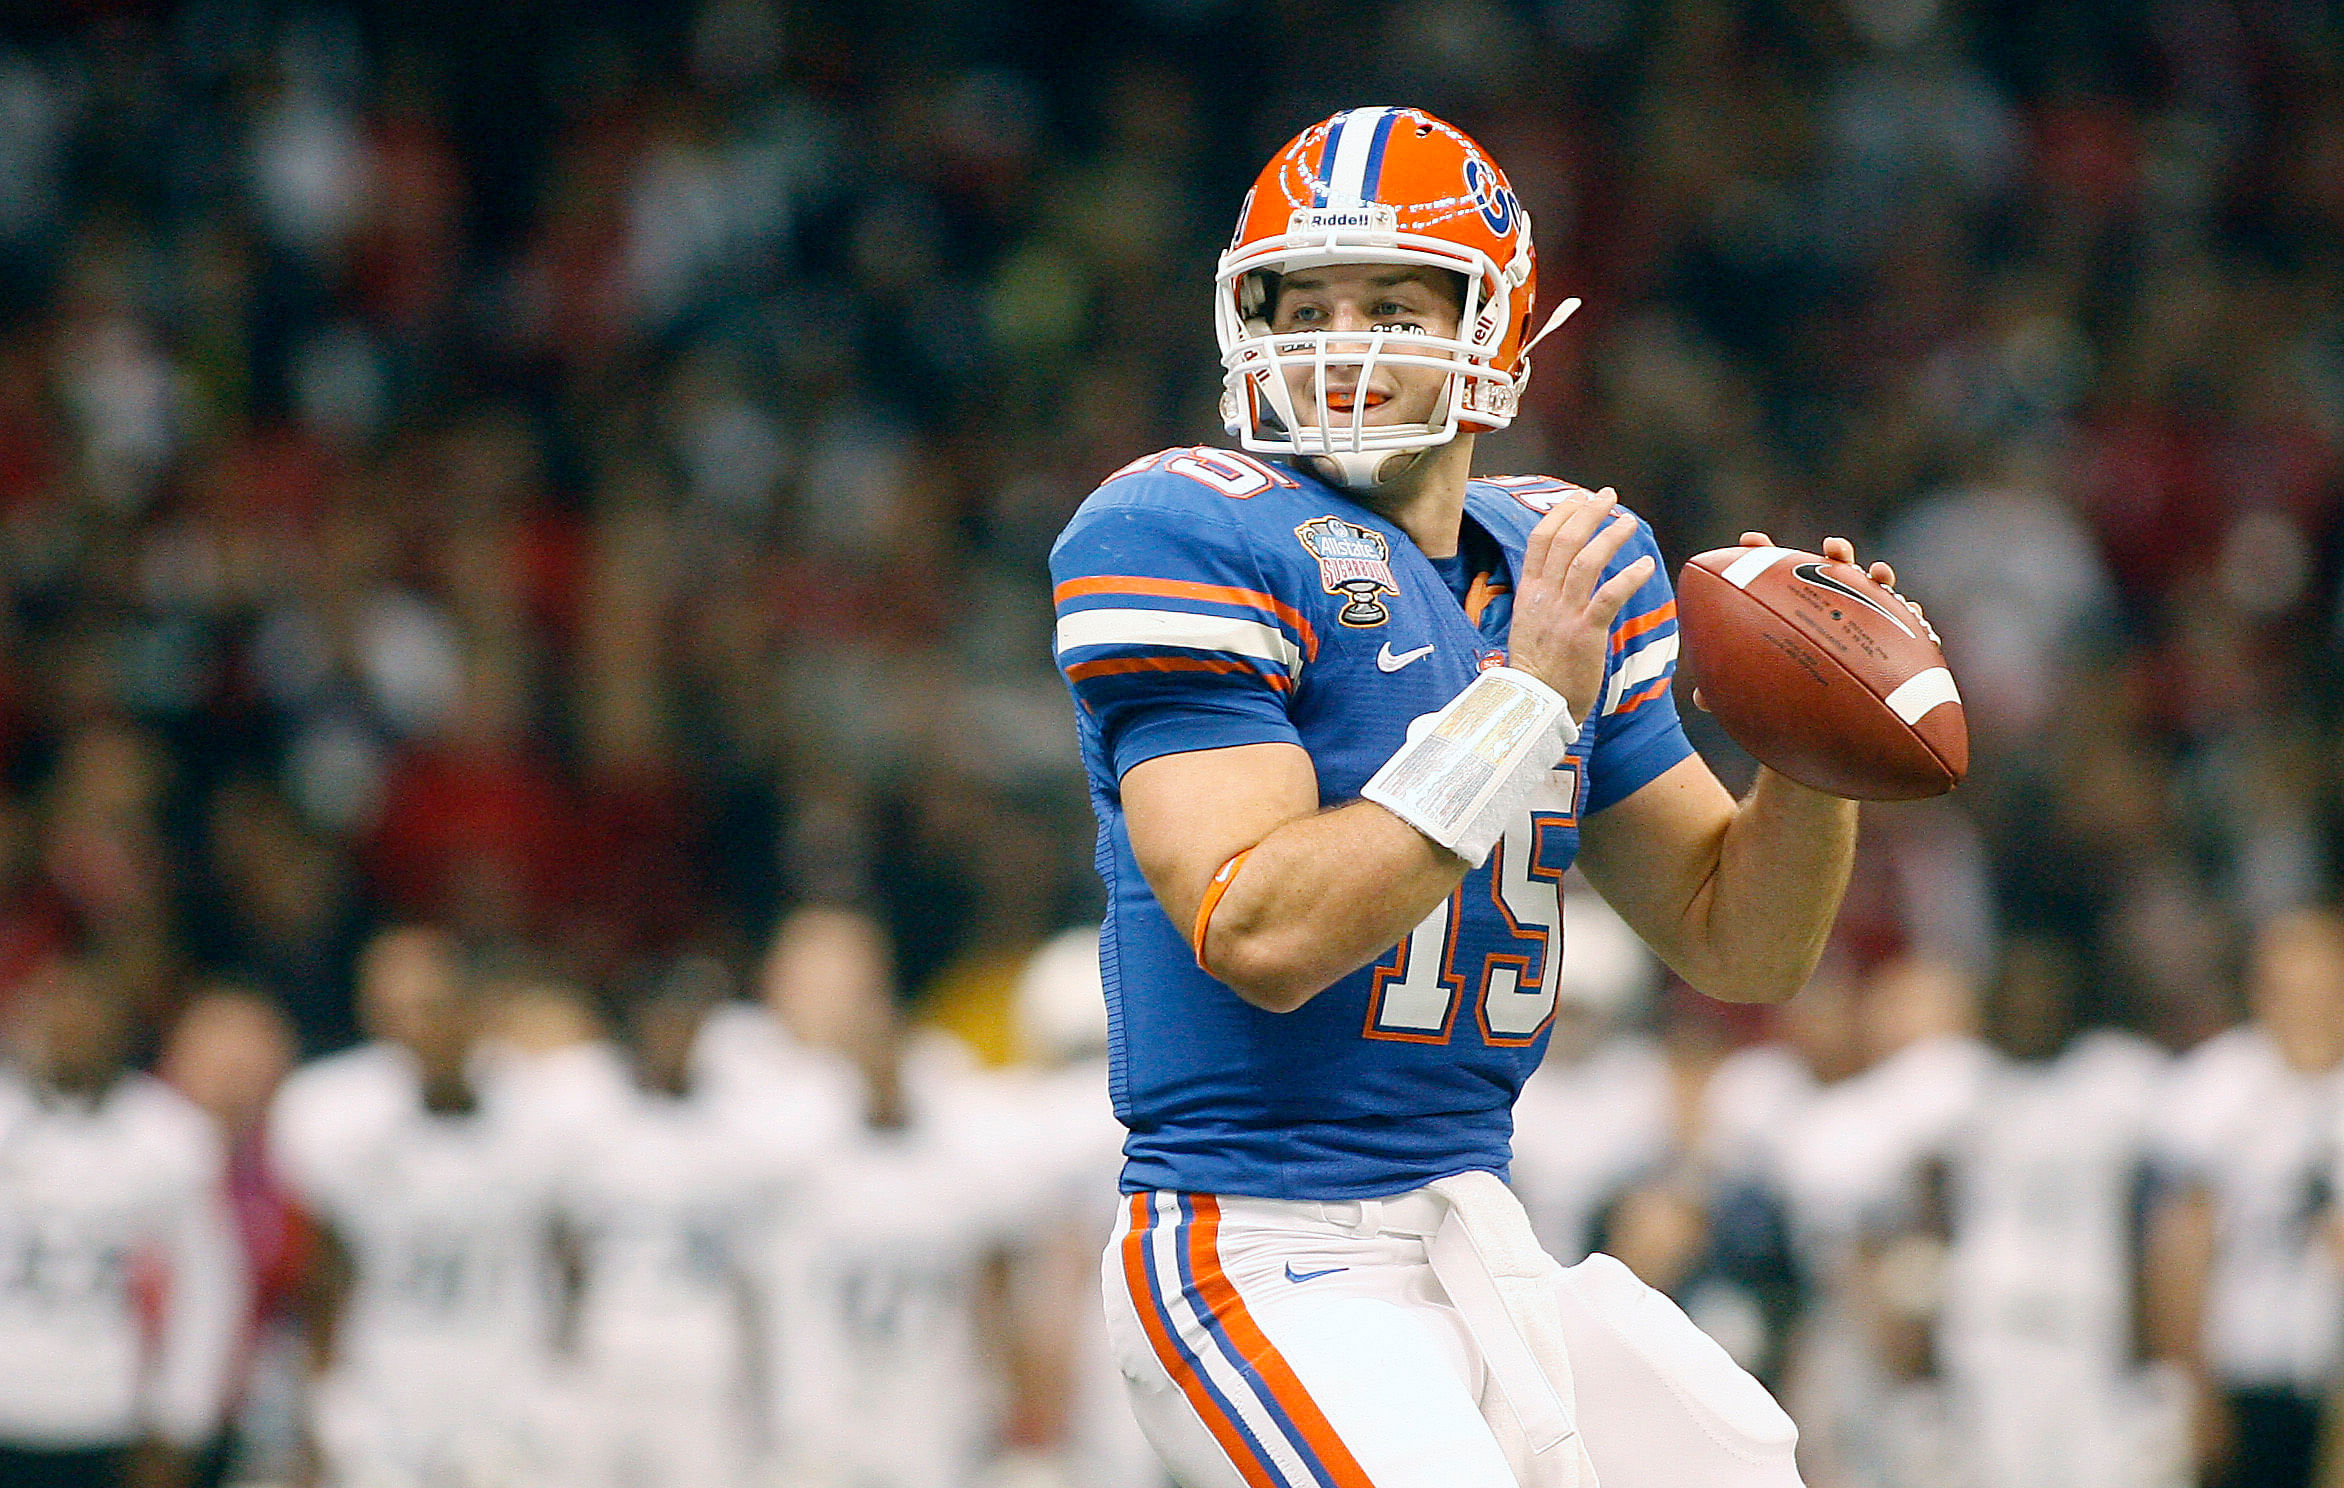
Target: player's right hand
(1564, 607)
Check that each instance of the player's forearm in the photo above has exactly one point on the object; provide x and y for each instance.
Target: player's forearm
(2177, 1256)
(1320, 897)
(1766, 911)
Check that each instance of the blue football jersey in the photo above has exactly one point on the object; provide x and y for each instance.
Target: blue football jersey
(1207, 599)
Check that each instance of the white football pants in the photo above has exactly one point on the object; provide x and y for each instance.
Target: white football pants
(1297, 1344)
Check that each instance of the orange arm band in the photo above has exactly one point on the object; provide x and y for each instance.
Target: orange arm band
(1224, 876)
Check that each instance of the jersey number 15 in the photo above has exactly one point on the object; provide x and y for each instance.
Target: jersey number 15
(1416, 988)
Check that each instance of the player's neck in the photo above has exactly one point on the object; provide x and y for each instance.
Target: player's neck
(1427, 500)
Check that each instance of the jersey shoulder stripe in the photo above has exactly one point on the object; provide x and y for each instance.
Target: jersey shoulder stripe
(1630, 702)
(1629, 630)
(1118, 624)
(1642, 676)
(1099, 587)
(1123, 666)
(1085, 629)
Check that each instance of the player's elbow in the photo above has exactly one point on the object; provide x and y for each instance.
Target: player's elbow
(1266, 974)
(1751, 978)
(1274, 992)
(1748, 962)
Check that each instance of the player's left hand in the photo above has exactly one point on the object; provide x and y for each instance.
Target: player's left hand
(1838, 550)
(1563, 606)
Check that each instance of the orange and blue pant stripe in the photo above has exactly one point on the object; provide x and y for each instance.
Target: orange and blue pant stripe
(1202, 1334)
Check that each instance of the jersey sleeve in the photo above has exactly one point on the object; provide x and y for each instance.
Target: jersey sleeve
(1638, 735)
(1168, 635)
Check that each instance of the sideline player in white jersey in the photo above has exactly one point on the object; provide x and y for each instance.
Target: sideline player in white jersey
(1348, 716)
(438, 1211)
(1852, 1164)
(109, 1185)
(885, 1276)
(1850, 1159)
(2035, 1330)
(543, 1058)
(780, 1054)
(2244, 1276)
(399, 972)
(666, 1199)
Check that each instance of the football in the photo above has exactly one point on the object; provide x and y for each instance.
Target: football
(1822, 674)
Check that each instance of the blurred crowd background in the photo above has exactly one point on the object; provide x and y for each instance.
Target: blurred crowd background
(566, 486)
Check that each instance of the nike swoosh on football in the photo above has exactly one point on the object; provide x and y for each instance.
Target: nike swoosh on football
(1813, 573)
(1300, 1276)
(1385, 661)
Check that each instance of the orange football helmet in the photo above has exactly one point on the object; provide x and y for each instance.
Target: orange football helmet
(1384, 186)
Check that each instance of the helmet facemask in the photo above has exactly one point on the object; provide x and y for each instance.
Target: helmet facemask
(1258, 400)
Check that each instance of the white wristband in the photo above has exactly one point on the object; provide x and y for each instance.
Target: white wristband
(1469, 769)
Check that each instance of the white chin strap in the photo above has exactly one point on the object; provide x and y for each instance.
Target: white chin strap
(1366, 469)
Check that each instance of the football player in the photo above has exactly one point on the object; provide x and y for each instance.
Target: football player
(437, 1208)
(884, 1275)
(779, 1054)
(2243, 1279)
(1348, 715)
(2035, 1328)
(1068, 1392)
(121, 1286)
(667, 1201)
(1852, 1161)
(399, 972)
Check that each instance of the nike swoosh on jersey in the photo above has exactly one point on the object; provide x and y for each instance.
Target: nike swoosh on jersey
(1385, 661)
(1302, 1276)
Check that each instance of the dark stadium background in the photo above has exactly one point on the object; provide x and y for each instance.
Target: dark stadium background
(581, 473)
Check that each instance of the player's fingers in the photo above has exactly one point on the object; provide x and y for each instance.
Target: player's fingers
(1582, 513)
(1587, 568)
(1538, 549)
(1839, 550)
(1617, 590)
(1593, 510)
(1756, 540)
(1883, 575)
